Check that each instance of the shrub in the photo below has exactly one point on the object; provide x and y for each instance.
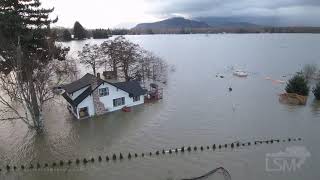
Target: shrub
(298, 84)
(316, 91)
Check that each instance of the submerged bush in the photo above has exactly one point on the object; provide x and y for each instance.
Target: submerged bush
(316, 91)
(298, 84)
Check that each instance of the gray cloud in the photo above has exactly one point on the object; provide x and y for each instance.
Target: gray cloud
(295, 12)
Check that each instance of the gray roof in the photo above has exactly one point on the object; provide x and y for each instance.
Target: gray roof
(86, 80)
(131, 87)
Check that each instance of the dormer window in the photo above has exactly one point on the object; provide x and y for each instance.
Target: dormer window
(103, 92)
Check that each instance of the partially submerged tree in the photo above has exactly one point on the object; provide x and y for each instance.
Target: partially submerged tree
(111, 54)
(316, 91)
(129, 54)
(28, 51)
(90, 56)
(132, 61)
(298, 84)
(122, 54)
(152, 67)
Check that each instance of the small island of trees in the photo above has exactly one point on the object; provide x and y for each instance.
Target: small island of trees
(298, 85)
(298, 88)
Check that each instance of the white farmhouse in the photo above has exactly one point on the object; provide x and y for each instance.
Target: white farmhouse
(91, 96)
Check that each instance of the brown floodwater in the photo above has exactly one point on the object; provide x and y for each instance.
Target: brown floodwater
(197, 109)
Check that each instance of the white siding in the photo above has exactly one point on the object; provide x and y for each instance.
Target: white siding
(87, 102)
(114, 94)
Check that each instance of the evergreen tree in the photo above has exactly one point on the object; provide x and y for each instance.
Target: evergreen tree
(66, 36)
(298, 84)
(78, 31)
(27, 46)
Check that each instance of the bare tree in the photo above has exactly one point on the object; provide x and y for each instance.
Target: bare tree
(16, 96)
(153, 67)
(309, 71)
(113, 53)
(28, 49)
(130, 55)
(90, 56)
(66, 70)
(132, 61)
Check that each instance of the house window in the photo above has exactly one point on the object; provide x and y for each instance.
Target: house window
(118, 102)
(136, 98)
(83, 112)
(103, 92)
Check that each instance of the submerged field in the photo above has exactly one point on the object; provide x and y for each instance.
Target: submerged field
(197, 109)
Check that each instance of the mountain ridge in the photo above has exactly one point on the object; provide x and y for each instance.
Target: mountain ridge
(197, 22)
(172, 23)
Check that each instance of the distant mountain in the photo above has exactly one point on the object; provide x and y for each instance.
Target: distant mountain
(172, 23)
(225, 22)
(220, 25)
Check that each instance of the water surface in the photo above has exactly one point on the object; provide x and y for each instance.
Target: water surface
(197, 109)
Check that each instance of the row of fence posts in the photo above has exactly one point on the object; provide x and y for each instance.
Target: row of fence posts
(114, 157)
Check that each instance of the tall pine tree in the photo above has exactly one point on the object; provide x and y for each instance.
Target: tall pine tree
(78, 31)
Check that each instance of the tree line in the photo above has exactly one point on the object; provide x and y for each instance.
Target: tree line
(78, 32)
(65, 34)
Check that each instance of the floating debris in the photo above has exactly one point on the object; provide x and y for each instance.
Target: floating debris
(220, 170)
(240, 73)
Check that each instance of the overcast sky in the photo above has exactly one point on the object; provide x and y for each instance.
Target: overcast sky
(115, 13)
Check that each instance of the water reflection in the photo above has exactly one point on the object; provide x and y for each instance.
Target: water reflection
(315, 107)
